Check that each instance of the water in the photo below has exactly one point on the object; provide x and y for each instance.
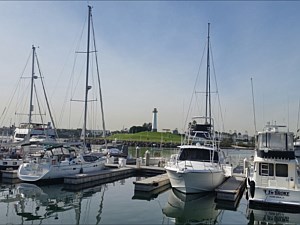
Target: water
(117, 203)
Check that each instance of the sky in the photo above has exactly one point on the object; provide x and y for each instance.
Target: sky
(149, 55)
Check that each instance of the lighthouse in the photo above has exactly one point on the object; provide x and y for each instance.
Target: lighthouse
(154, 120)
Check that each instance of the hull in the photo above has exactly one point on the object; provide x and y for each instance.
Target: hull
(195, 181)
(276, 196)
(35, 172)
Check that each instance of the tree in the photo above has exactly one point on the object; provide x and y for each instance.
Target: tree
(137, 129)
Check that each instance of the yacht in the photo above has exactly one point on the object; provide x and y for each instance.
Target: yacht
(199, 166)
(274, 177)
(59, 161)
(64, 159)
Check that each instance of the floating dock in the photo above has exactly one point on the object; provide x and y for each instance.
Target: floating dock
(83, 180)
(150, 188)
(152, 183)
(113, 173)
(229, 193)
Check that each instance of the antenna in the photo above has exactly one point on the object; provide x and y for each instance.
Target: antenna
(298, 117)
(253, 104)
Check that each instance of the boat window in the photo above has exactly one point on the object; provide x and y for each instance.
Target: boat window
(281, 170)
(275, 141)
(193, 154)
(20, 135)
(266, 169)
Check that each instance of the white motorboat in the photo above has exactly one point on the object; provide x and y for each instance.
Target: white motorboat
(59, 161)
(35, 131)
(274, 179)
(199, 166)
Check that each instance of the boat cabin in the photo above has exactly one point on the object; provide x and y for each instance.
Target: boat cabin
(200, 154)
(273, 143)
(275, 158)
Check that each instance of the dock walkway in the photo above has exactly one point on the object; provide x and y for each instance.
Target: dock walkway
(229, 193)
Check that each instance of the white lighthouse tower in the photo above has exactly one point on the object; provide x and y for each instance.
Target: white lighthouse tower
(154, 120)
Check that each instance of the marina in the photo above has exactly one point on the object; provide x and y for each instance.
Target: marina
(146, 185)
(84, 156)
(46, 204)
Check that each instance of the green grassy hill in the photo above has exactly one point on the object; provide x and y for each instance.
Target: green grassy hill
(148, 137)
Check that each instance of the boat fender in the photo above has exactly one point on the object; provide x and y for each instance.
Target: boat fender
(252, 188)
(81, 170)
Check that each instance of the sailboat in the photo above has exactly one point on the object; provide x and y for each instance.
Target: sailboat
(28, 138)
(199, 166)
(64, 159)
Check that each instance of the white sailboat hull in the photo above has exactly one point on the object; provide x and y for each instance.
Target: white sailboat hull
(34, 172)
(205, 178)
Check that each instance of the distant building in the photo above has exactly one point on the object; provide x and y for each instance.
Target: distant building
(154, 120)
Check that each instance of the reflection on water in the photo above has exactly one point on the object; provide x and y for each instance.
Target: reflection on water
(113, 203)
(191, 208)
(259, 216)
(45, 204)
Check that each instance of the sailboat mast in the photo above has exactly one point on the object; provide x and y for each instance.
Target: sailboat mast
(87, 77)
(208, 98)
(31, 88)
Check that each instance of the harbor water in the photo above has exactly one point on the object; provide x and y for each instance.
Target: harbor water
(118, 203)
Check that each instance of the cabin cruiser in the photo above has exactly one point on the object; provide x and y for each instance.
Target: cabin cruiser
(199, 166)
(34, 130)
(274, 178)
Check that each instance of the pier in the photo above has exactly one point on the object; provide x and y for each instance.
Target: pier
(228, 194)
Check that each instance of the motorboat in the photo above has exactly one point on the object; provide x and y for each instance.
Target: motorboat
(199, 166)
(274, 179)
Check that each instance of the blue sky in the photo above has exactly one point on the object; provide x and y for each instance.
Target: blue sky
(149, 55)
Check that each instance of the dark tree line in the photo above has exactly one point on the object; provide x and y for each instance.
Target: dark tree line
(137, 129)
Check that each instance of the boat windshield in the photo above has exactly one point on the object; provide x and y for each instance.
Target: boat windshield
(196, 154)
(275, 141)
